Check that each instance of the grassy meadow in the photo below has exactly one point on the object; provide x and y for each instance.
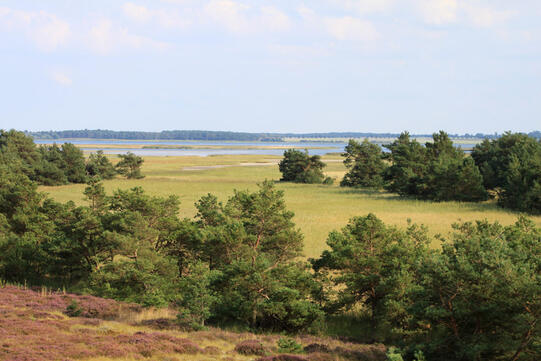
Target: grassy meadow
(318, 209)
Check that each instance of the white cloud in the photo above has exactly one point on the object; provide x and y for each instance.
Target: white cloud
(61, 78)
(308, 15)
(105, 38)
(273, 19)
(239, 18)
(46, 30)
(483, 16)
(365, 6)
(438, 12)
(228, 13)
(165, 18)
(340, 28)
(349, 28)
(136, 12)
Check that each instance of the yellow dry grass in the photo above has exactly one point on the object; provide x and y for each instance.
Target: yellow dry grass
(318, 209)
(145, 314)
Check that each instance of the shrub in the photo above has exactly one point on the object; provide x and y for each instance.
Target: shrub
(299, 167)
(328, 181)
(284, 357)
(251, 347)
(73, 309)
(289, 345)
(393, 354)
(316, 347)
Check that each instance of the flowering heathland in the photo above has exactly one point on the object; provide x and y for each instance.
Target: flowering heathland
(34, 326)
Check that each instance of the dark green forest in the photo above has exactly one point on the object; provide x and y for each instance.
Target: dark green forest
(238, 263)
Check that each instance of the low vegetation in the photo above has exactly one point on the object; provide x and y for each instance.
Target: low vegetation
(240, 263)
(36, 325)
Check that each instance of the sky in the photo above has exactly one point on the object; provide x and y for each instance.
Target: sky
(463, 66)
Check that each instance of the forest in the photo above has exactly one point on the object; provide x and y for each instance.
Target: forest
(239, 262)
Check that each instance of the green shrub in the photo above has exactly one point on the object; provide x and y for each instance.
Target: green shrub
(73, 309)
(393, 354)
(289, 345)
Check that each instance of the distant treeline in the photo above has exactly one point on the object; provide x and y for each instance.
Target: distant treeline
(222, 135)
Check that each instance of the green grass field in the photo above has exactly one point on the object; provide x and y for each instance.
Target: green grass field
(318, 208)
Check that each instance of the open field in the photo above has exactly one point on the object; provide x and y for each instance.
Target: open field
(318, 208)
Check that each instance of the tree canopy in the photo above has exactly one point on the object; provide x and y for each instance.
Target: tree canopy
(300, 167)
(130, 166)
(365, 165)
(511, 167)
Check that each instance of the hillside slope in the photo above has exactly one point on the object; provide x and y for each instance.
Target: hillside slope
(34, 325)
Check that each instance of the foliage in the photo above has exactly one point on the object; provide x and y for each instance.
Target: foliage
(299, 167)
(372, 264)
(365, 165)
(438, 171)
(130, 166)
(479, 296)
(511, 166)
(19, 152)
(73, 309)
(250, 244)
(261, 285)
(74, 160)
(50, 165)
(289, 345)
(393, 354)
(196, 298)
(408, 165)
(98, 165)
(52, 169)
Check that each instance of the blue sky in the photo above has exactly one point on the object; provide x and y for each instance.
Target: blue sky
(278, 66)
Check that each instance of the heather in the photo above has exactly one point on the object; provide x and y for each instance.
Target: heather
(33, 326)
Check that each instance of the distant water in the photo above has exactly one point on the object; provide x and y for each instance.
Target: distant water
(332, 147)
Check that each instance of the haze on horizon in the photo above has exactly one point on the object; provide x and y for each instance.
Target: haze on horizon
(465, 66)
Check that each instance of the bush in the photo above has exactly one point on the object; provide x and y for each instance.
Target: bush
(328, 181)
(289, 345)
(299, 167)
(316, 348)
(393, 354)
(73, 309)
(251, 347)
